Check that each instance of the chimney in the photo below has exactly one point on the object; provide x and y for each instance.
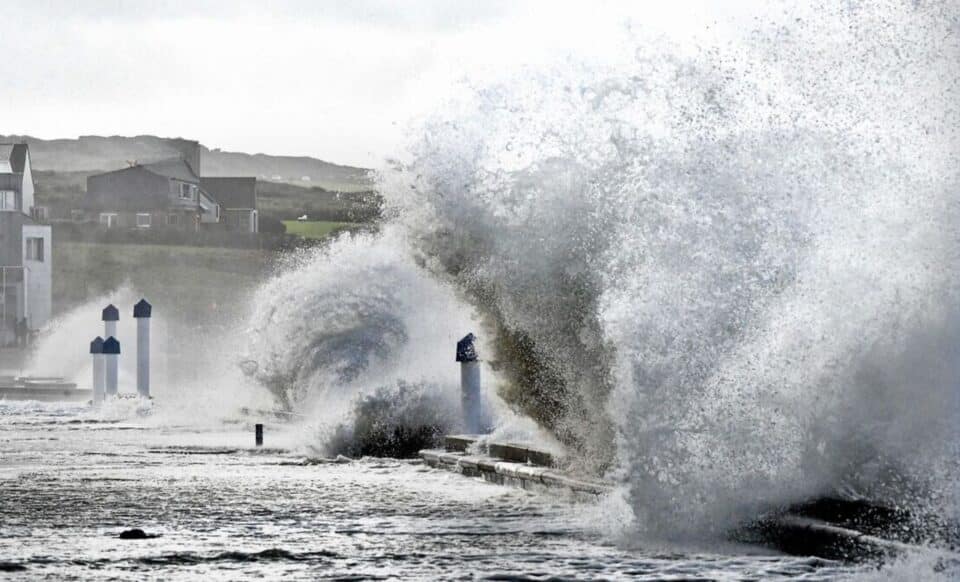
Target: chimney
(190, 152)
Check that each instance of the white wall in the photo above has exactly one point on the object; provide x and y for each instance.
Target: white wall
(27, 186)
(39, 276)
(213, 214)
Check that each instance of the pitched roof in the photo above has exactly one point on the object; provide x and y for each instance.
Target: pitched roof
(175, 168)
(18, 158)
(232, 192)
(16, 153)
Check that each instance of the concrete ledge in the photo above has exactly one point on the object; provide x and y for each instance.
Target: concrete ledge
(46, 394)
(789, 532)
(520, 454)
(516, 452)
(799, 535)
(503, 472)
(459, 442)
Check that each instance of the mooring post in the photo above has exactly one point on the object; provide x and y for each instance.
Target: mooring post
(470, 384)
(96, 349)
(258, 434)
(111, 355)
(142, 312)
(110, 317)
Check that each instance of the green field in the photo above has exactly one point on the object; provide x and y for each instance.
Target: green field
(317, 229)
(187, 280)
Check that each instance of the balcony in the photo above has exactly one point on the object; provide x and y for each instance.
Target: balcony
(11, 182)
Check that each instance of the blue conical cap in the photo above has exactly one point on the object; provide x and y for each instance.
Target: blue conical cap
(96, 346)
(142, 309)
(111, 346)
(111, 313)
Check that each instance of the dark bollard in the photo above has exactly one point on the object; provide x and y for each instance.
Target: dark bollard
(259, 434)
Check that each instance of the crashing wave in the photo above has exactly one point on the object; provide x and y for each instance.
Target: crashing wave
(727, 280)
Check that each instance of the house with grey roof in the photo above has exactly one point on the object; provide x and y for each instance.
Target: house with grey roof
(238, 202)
(161, 194)
(171, 194)
(25, 249)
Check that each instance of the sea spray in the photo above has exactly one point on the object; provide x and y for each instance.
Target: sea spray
(715, 273)
(726, 278)
(356, 329)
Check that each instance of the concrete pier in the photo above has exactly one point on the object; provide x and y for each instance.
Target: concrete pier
(795, 530)
(41, 389)
(510, 464)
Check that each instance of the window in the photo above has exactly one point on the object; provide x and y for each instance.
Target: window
(8, 200)
(143, 220)
(173, 219)
(108, 219)
(35, 248)
(186, 191)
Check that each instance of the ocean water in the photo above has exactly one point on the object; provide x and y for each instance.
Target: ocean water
(71, 480)
(723, 275)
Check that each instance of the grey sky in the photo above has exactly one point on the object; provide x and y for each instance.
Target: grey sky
(334, 80)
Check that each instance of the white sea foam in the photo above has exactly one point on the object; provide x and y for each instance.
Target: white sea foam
(732, 276)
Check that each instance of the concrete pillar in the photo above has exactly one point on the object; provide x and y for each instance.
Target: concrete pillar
(470, 384)
(96, 349)
(141, 312)
(111, 355)
(110, 317)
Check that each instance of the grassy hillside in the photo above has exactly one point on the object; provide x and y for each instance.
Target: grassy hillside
(287, 202)
(196, 282)
(62, 191)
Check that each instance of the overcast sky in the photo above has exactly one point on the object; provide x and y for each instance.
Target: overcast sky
(338, 81)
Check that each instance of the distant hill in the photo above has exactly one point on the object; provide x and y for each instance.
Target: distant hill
(61, 192)
(90, 154)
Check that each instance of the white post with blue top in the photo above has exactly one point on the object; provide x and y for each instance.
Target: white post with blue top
(470, 394)
(142, 312)
(111, 355)
(96, 350)
(111, 315)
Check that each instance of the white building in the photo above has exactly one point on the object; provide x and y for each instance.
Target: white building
(25, 249)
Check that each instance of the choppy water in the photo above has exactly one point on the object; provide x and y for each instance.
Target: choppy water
(723, 275)
(70, 483)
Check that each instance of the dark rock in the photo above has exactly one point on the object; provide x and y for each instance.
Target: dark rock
(136, 534)
(12, 567)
